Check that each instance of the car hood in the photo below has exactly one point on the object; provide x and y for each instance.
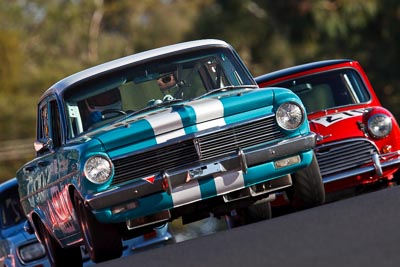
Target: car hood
(337, 125)
(162, 125)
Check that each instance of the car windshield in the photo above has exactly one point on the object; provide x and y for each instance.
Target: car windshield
(329, 89)
(152, 83)
(11, 209)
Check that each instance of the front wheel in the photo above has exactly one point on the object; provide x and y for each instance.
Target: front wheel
(102, 241)
(308, 189)
(57, 255)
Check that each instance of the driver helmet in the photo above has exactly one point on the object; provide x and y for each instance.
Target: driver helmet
(105, 101)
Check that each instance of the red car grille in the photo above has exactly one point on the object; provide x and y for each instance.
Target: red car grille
(344, 155)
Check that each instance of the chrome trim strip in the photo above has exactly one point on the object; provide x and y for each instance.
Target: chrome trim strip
(122, 194)
(290, 147)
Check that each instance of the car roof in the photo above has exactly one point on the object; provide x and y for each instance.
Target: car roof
(152, 54)
(8, 185)
(300, 68)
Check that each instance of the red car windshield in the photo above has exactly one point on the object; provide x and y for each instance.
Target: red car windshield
(329, 89)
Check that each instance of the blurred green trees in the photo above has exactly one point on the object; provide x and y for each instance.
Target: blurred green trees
(44, 41)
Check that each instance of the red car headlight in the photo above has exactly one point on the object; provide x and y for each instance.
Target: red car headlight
(379, 125)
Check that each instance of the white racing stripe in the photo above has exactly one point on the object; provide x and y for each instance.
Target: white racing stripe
(191, 191)
(209, 113)
(165, 124)
(229, 181)
(186, 193)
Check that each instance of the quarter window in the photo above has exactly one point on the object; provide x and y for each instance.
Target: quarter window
(44, 123)
(49, 123)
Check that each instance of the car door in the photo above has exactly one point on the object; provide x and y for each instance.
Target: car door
(44, 186)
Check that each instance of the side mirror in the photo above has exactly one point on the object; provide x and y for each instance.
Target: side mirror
(42, 146)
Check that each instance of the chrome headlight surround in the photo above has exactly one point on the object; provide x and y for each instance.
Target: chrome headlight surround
(98, 169)
(32, 251)
(290, 115)
(379, 126)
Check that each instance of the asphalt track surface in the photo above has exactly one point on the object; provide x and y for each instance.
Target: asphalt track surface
(358, 231)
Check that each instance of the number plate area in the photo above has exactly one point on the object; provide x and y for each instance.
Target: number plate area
(176, 178)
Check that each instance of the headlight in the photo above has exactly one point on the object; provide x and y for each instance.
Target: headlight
(289, 116)
(98, 169)
(31, 252)
(379, 125)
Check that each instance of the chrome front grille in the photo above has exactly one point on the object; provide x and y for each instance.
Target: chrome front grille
(153, 161)
(205, 147)
(219, 144)
(344, 155)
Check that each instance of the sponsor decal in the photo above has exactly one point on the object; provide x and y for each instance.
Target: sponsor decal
(334, 118)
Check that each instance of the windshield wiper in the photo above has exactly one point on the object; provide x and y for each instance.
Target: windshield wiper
(228, 87)
(150, 107)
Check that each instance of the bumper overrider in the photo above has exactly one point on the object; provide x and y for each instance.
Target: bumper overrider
(227, 174)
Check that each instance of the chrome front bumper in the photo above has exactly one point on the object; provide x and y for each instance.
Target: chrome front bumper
(241, 161)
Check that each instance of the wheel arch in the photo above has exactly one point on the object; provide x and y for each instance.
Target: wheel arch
(35, 224)
(72, 190)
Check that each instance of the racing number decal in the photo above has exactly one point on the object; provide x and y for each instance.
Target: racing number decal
(331, 119)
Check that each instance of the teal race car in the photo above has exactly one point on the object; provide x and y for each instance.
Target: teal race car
(177, 131)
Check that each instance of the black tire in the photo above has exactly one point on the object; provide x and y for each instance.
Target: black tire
(57, 255)
(102, 241)
(308, 189)
(251, 214)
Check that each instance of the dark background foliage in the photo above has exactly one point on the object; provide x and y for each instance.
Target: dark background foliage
(43, 41)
